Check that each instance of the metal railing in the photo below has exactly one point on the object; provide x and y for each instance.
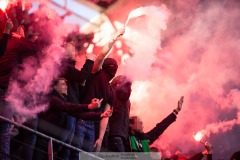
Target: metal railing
(51, 140)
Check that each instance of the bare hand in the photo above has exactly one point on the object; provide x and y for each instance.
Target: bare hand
(107, 113)
(208, 147)
(98, 145)
(119, 33)
(91, 56)
(15, 35)
(9, 24)
(180, 102)
(20, 30)
(95, 103)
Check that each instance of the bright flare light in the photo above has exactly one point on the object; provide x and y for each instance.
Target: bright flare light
(198, 137)
(3, 5)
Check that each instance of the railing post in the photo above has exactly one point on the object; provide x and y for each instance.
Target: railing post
(50, 149)
(51, 140)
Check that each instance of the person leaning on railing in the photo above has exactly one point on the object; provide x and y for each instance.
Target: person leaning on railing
(53, 121)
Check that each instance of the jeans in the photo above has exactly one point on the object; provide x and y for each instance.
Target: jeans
(84, 137)
(28, 140)
(116, 144)
(69, 126)
(5, 128)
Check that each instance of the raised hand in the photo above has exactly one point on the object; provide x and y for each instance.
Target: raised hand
(107, 113)
(91, 56)
(8, 26)
(119, 33)
(180, 102)
(95, 103)
(208, 147)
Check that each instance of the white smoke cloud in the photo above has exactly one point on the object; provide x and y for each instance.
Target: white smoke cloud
(196, 56)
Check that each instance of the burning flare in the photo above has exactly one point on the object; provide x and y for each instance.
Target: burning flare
(3, 6)
(198, 137)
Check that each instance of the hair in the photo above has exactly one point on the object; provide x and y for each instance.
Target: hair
(55, 82)
(235, 156)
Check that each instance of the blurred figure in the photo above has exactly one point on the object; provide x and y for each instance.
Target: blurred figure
(207, 152)
(139, 140)
(155, 153)
(97, 86)
(17, 50)
(235, 156)
(5, 36)
(119, 121)
(74, 79)
(53, 121)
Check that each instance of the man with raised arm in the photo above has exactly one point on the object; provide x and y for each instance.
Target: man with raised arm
(97, 86)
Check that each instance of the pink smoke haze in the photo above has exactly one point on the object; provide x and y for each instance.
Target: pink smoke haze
(190, 49)
(27, 100)
(178, 48)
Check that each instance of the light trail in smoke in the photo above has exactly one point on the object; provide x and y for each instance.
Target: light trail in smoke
(135, 13)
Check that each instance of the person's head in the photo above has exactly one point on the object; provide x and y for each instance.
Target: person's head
(235, 156)
(136, 123)
(155, 153)
(60, 86)
(110, 67)
(122, 87)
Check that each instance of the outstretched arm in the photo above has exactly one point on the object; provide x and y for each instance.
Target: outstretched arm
(103, 54)
(72, 108)
(207, 152)
(179, 106)
(165, 123)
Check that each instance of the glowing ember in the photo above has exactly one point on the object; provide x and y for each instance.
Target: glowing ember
(198, 136)
(135, 13)
(3, 4)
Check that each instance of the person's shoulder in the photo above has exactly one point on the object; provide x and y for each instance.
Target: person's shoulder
(98, 74)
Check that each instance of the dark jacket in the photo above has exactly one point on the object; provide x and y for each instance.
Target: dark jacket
(3, 43)
(15, 52)
(75, 78)
(154, 133)
(119, 121)
(59, 109)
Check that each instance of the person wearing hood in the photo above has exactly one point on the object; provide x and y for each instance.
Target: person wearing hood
(119, 121)
(97, 86)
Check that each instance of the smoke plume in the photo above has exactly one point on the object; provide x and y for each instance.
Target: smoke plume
(191, 50)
